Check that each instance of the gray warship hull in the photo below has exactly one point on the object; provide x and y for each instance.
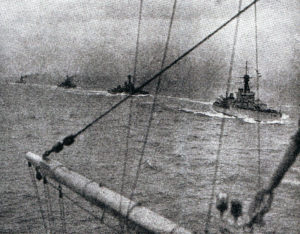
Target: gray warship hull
(242, 113)
(243, 103)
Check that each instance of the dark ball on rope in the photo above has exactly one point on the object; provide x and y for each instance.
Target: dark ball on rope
(236, 209)
(222, 203)
(38, 175)
(45, 181)
(58, 147)
(69, 140)
(60, 192)
(46, 154)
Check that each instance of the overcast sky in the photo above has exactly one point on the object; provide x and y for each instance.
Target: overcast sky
(67, 36)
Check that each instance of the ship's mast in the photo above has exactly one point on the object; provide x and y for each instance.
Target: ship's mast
(246, 80)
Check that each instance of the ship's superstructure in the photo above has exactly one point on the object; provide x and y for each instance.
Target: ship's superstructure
(244, 102)
(68, 83)
(127, 88)
(22, 80)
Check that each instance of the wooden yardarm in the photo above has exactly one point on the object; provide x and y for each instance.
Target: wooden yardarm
(104, 197)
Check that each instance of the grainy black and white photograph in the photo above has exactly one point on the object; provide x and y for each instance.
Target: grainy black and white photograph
(162, 116)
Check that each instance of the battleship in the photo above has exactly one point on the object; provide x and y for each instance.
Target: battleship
(68, 83)
(22, 80)
(128, 88)
(245, 104)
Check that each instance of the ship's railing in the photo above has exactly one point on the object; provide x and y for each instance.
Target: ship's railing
(118, 205)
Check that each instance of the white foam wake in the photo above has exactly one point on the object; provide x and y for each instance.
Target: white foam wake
(98, 92)
(212, 113)
(294, 175)
(295, 170)
(291, 182)
(283, 120)
(207, 113)
(189, 100)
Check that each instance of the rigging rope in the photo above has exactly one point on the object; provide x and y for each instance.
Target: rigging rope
(62, 210)
(137, 41)
(257, 91)
(130, 105)
(130, 108)
(263, 199)
(208, 217)
(67, 141)
(233, 50)
(37, 195)
(152, 107)
(84, 209)
(49, 205)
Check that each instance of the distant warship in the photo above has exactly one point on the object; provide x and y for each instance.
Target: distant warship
(245, 104)
(22, 80)
(68, 83)
(127, 88)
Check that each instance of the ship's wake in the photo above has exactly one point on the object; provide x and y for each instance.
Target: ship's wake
(191, 106)
(285, 119)
(205, 113)
(188, 100)
(293, 177)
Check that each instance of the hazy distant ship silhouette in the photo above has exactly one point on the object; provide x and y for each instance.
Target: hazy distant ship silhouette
(244, 104)
(22, 80)
(68, 83)
(127, 88)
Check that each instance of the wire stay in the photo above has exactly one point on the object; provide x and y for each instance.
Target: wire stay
(71, 138)
(217, 162)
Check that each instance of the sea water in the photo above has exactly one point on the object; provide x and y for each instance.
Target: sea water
(177, 169)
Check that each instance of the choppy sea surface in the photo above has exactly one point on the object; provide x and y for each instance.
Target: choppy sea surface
(177, 171)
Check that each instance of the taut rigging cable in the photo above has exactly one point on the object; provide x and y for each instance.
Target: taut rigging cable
(48, 205)
(130, 106)
(67, 141)
(153, 106)
(257, 91)
(137, 42)
(208, 217)
(37, 196)
(84, 209)
(62, 210)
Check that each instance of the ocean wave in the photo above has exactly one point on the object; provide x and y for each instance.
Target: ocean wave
(78, 90)
(189, 100)
(35, 85)
(52, 87)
